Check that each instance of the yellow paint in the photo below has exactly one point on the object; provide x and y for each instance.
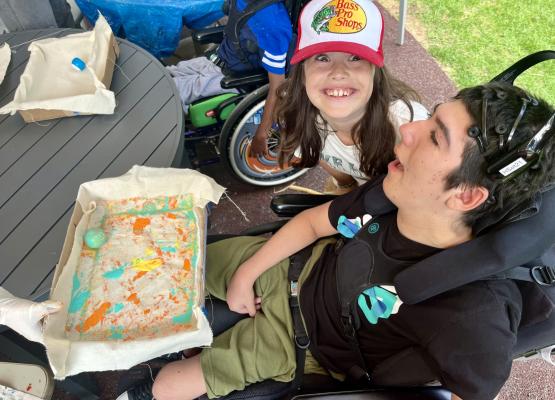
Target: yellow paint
(146, 265)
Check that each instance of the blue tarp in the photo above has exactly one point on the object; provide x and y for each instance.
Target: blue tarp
(155, 25)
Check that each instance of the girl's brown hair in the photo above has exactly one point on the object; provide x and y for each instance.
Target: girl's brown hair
(374, 134)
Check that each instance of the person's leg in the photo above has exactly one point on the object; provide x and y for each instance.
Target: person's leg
(180, 380)
(253, 350)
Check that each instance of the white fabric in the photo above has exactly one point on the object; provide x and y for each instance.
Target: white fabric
(68, 357)
(50, 82)
(345, 158)
(25, 316)
(197, 78)
(5, 57)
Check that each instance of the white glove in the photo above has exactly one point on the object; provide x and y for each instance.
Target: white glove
(25, 316)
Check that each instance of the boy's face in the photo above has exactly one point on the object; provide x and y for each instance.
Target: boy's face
(429, 150)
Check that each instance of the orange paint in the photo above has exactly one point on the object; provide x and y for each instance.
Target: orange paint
(134, 299)
(138, 275)
(95, 318)
(187, 264)
(159, 252)
(171, 216)
(179, 230)
(139, 225)
(173, 202)
(147, 311)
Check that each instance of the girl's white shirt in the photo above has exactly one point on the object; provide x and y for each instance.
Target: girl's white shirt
(345, 158)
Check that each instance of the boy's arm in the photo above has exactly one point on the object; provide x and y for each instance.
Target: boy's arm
(259, 144)
(298, 233)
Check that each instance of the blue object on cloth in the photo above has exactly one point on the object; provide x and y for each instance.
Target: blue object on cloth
(78, 64)
(155, 25)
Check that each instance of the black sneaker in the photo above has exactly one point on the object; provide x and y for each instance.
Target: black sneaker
(142, 391)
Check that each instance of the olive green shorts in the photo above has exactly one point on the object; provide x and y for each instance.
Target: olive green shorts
(258, 348)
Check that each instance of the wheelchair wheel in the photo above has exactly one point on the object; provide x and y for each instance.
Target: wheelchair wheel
(236, 139)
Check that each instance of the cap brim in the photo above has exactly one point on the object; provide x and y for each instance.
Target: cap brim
(374, 57)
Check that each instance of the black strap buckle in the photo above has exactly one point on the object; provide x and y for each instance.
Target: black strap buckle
(302, 342)
(348, 327)
(543, 275)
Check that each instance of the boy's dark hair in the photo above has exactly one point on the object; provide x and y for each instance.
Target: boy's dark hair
(508, 109)
(374, 135)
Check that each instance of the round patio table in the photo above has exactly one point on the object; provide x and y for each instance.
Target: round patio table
(42, 164)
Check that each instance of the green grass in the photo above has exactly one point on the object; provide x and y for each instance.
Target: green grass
(474, 40)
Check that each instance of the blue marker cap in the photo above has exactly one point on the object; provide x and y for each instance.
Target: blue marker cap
(78, 64)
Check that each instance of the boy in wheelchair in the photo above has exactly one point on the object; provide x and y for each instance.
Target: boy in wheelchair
(254, 47)
(487, 151)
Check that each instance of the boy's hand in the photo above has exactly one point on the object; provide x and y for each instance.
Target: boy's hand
(259, 145)
(240, 296)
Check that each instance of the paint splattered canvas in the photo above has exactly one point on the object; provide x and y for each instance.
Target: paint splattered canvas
(136, 275)
(130, 273)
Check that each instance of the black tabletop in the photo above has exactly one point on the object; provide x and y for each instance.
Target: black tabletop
(42, 164)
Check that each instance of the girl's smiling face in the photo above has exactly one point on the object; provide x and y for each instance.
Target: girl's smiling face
(339, 85)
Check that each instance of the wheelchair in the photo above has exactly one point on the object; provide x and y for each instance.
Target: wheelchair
(403, 375)
(227, 122)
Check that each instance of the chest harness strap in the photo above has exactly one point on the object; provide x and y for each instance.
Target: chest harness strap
(302, 341)
(362, 264)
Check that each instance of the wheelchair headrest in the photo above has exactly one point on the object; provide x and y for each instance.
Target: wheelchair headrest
(514, 244)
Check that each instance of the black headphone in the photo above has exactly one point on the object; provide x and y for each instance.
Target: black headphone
(526, 155)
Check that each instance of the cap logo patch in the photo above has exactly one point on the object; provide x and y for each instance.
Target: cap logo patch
(339, 16)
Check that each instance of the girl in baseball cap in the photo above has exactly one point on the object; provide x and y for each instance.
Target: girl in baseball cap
(340, 107)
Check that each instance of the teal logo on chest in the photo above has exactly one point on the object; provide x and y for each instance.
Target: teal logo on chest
(373, 228)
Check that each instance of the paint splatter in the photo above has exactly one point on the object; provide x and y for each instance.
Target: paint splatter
(115, 308)
(78, 301)
(139, 275)
(134, 299)
(95, 317)
(115, 273)
(140, 224)
(146, 265)
(116, 332)
(183, 318)
(145, 271)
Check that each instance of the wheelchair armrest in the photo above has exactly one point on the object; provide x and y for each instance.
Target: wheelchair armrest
(209, 35)
(289, 205)
(257, 78)
(401, 393)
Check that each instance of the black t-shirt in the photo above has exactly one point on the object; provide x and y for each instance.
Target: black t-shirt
(468, 332)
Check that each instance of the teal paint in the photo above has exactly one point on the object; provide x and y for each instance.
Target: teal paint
(116, 308)
(115, 273)
(78, 301)
(76, 285)
(183, 318)
(116, 332)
